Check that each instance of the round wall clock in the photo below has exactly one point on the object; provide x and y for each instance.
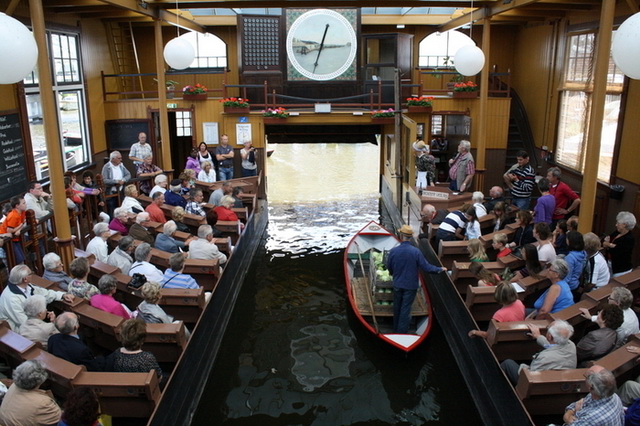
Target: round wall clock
(321, 45)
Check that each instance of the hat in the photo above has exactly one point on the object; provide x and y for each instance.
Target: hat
(406, 230)
(420, 146)
(176, 182)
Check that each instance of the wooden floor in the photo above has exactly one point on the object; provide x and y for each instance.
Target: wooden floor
(359, 287)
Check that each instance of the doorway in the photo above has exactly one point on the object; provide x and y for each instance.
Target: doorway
(181, 136)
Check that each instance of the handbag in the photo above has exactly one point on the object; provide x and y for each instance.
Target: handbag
(137, 281)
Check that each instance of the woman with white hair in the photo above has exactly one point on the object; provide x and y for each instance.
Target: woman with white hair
(119, 221)
(98, 245)
(130, 203)
(161, 183)
(208, 173)
(24, 403)
(477, 198)
(34, 328)
(620, 244)
(224, 209)
(53, 271)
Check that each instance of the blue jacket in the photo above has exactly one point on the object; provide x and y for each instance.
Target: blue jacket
(174, 199)
(575, 260)
(404, 262)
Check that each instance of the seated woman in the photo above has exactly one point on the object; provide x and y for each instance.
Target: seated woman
(130, 202)
(192, 161)
(477, 198)
(546, 251)
(149, 310)
(212, 219)
(596, 270)
(161, 182)
(532, 265)
(485, 277)
(558, 296)
(501, 213)
(165, 241)
(178, 215)
(79, 287)
(147, 170)
(98, 244)
(131, 358)
(499, 243)
(53, 271)
(188, 178)
(524, 232)
(473, 226)
(34, 328)
(560, 237)
(224, 209)
(120, 221)
(512, 308)
(476, 251)
(576, 260)
(600, 342)
(208, 173)
(105, 301)
(82, 407)
(24, 403)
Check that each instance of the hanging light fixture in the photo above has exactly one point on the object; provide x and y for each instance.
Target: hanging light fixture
(469, 60)
(18, 48)
(625, 48)
(179, 53)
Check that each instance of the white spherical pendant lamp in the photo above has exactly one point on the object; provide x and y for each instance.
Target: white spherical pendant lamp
(469, 60)
(18, 50)
(179, 53)
(625, 48)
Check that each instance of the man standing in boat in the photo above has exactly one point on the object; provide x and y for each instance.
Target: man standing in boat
(404, 263)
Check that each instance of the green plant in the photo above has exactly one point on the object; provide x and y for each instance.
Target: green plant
(194, 90)
(381, 113)
(423, 101)
(235, 102)
(168, 83)
(467, 86)
(275, 112)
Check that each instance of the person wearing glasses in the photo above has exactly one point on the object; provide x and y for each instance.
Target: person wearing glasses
(558, 296)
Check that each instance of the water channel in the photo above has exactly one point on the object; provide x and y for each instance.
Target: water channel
(294, 354)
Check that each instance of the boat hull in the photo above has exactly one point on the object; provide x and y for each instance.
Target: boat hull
(375, 237)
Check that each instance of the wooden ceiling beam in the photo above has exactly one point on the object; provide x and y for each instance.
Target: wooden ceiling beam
(207, 4)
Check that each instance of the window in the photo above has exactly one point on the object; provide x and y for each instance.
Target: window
(438, 49)
(575, 106)
(211, 52)
(183, 123)
(68, 88)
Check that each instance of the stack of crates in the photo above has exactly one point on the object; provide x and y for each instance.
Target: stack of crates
(382, 290)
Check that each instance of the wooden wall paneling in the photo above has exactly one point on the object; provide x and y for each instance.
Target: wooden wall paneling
(628, 159)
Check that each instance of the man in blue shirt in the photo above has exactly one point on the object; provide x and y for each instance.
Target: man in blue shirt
(404, 262)
(173, 197)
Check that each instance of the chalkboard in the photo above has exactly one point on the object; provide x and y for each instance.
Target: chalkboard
(121, 134)
(14, 177)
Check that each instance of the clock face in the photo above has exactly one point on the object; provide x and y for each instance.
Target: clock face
(322, 45)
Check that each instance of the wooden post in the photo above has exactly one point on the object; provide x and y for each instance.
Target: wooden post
(162, 98)
(52, 133)
(592, 157)
(481, 137)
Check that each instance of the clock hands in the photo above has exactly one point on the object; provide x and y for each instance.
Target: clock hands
(321, 46)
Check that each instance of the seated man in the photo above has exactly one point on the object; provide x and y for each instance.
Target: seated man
(142, 265)
(53, 271)
(601, 406)
(174, 278)
(559, 352)
(166, 242)
(121, 256)
(204, 248)
(173, 197)
(194, 206)
(497, 195)
(18, 291)
(155, 212)
(98, 244)
(68, 346)
(139, 229)
(216, 196)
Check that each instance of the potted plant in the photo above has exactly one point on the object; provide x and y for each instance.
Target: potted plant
(170, 86)
(194, 93)
(235, 105)
(274, 115)
(420, 104)
(465, 89)
(383, 116)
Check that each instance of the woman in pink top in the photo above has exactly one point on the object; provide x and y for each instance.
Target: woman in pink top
(512, 308)
(105, 301)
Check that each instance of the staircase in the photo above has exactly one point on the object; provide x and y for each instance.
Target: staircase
(519, 136)
(124, 55)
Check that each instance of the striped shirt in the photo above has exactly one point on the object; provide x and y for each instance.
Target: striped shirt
(453, 221)
(523, 186)
(176, 280)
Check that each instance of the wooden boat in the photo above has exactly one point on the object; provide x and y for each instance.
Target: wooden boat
(372, 298)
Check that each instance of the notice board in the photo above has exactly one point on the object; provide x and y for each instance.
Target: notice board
(14, 177)
(121, 134)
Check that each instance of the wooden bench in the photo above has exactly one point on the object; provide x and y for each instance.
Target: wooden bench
(487, 239)
(13, 346)
(487, 223)
(123, 394)
(61, 372)
(512, 340)
(572, 313)
(630, 280)
(448, 251)
(166, 341)
(462, 277)
(621, 361)
(481, 302)
(550, 391)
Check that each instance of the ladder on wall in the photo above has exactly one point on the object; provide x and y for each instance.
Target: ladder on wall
(124, 56)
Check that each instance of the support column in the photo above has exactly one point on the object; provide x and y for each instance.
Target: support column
(592, 157)
(162, 98)
(52, 133)
(481, 137)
